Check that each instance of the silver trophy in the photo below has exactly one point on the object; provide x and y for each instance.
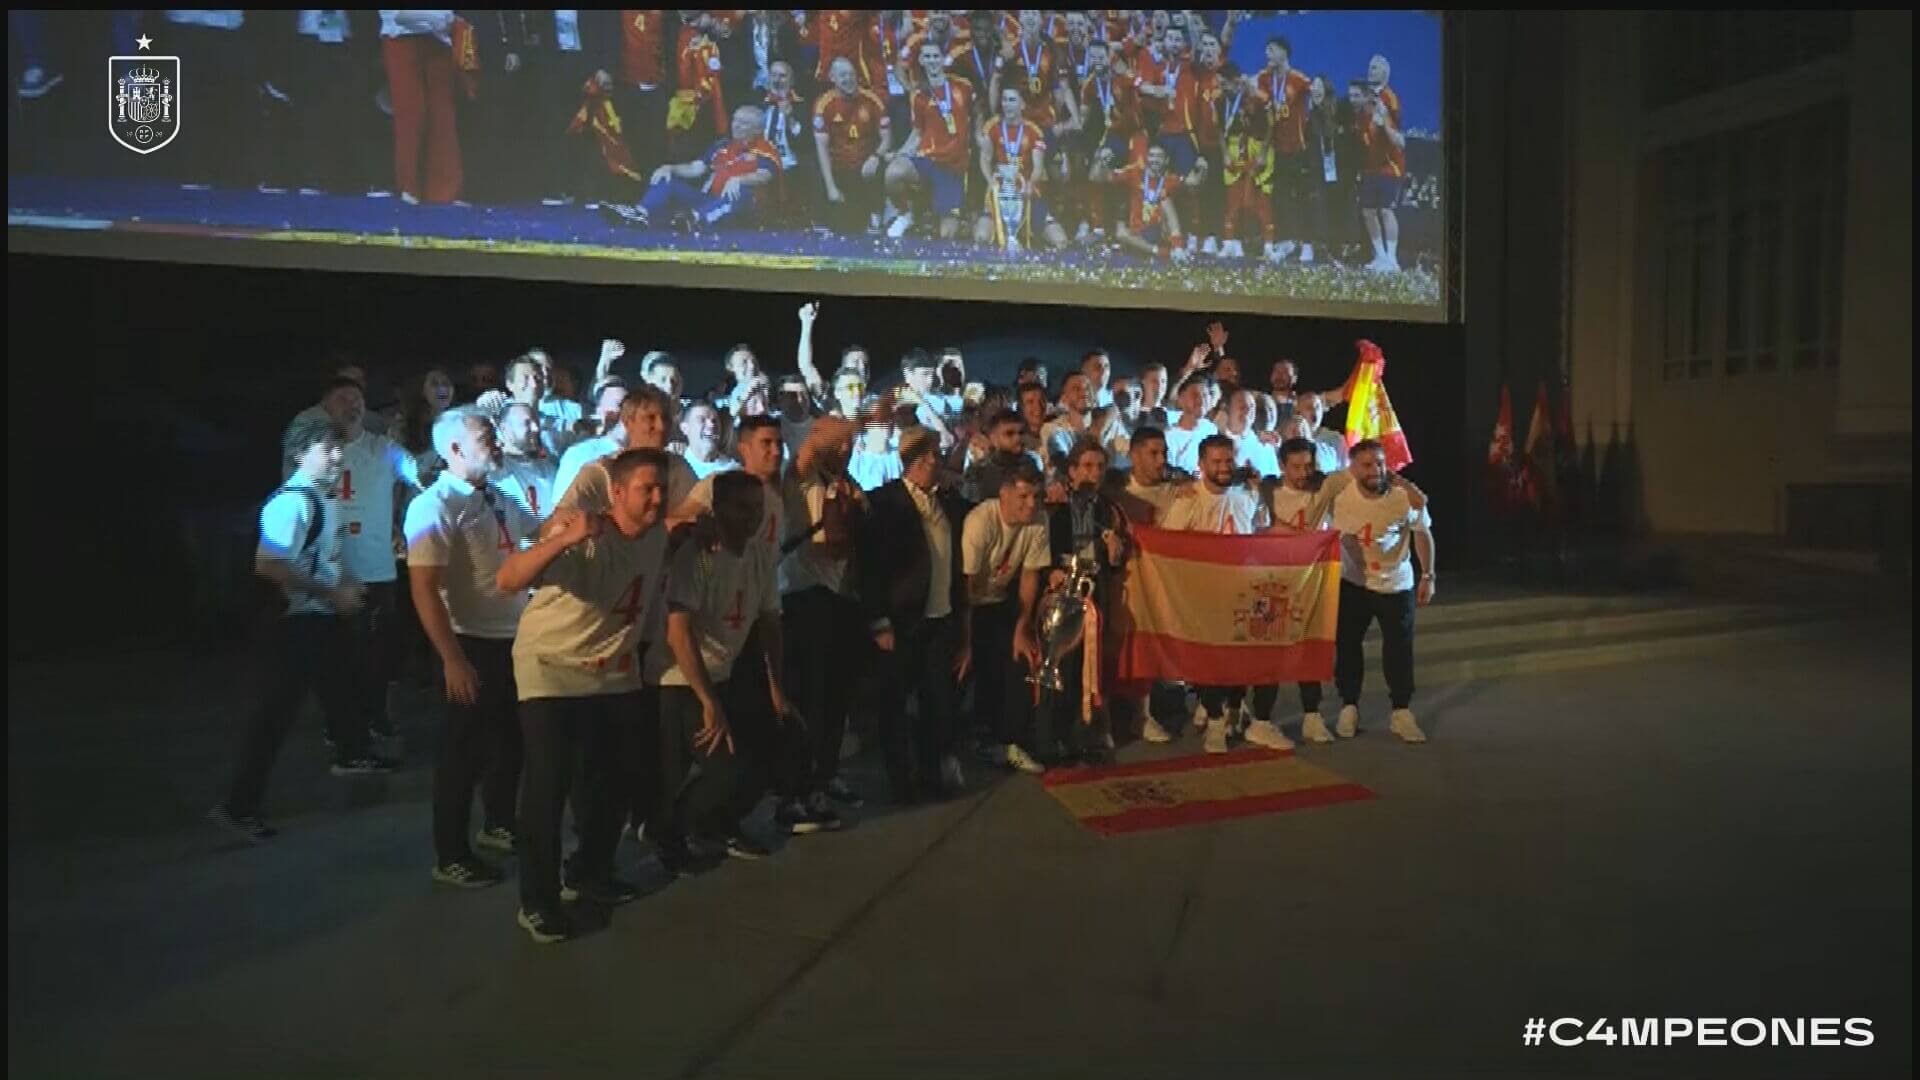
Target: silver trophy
(1010, 202)
(1062, 621)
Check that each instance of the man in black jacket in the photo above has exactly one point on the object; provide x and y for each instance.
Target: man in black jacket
(915, 600)
(1090, 526)
(534, 68)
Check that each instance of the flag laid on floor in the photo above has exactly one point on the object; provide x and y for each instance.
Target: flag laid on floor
(1369, 412)
(1166, 793)
(1222, 610)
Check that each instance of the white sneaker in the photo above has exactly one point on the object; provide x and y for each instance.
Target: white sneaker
(1211, 246)
(1216, 740)
(1286, 248)
(1402, 725)
(1022, 761)
(1152, 732)
(1349, 724)
(1383, 265)
(1193, 242)
(1273, 252)
(1080, 235)
(1306, 254)
(1199, 722)
(1313, 728)
(900, 225)
(1265, 733)
(1235, 249)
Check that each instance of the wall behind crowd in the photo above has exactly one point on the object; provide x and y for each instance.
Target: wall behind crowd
(146, 400)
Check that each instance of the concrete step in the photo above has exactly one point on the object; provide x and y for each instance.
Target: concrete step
(1433, 669)
(1497, 635)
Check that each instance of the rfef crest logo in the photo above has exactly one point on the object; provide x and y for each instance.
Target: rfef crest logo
(143, 101)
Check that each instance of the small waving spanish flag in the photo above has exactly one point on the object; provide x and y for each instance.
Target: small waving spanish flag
(1369, 412)
(1224, 610)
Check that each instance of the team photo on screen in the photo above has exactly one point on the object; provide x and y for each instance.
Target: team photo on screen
(1287, 161)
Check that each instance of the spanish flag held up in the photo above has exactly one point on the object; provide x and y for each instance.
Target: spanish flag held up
(1226, 610)
(1369, 413)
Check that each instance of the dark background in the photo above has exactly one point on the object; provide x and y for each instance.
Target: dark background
(146, 399)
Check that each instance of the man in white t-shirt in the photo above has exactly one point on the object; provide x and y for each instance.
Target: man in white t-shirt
(719, 593)
(372, 467)
(1301, 503)
(641, 426)
(700, 426)
(1185, 433)
(827, 642)
(527, 382)
(526, 471)
(577, 674)
(1003, 553)
(459, 532)
(785, 764)
(1250, 454)
(1098, 368)
(1220, 504)
(299, 551)
(1381, 533)
(1330, 447)
(614, 397)
(561, 413)
(1075, 421)
(1144, 493)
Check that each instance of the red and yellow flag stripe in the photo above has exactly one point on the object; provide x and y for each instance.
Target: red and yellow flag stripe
(1220, 610)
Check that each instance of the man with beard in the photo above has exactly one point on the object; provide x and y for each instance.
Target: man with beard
(460, 532)
(1090, 528)
(1381, 532)
(1004, 552)
(1006, 450)
(1152, 225)
(1220, 504)
(576, 669)
(914, 597)
(1144, 493)
(526, 471)
(1301, 503)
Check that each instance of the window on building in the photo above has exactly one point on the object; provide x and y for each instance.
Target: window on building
(1750, 248)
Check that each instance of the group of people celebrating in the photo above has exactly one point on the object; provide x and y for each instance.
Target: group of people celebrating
(659, 610)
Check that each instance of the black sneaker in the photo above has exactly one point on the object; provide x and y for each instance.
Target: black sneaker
(823, 812)
(248, 828)
(682, 861)
(467, 873)
(742, 846)
(545, 927)
(495, 838)
(362, 766)
(839, 792)
(607, 892)
(797, 819)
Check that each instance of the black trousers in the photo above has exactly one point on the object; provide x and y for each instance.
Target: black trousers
(1002, 697)
(773, 751)
(850, 218)
(1265, 697)
(698, 791)
(565, 737)
(375, 654)
(1218, 701)
(1359, 607)
(223, 83)
(480, 746)
(921, 667)
(826, 652)
(302, 654)
(1299, 205)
